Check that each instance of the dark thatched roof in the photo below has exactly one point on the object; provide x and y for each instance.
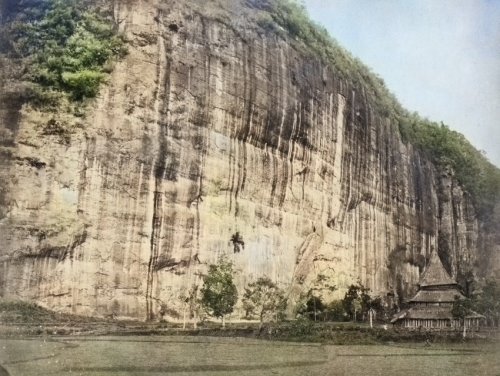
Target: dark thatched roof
(425, 313)
(436, 286)
(429, 313)
(435, 274)
(437, 296)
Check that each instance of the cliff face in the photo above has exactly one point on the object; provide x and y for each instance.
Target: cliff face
(207, 129)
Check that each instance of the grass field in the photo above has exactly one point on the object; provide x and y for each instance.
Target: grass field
(175, 355)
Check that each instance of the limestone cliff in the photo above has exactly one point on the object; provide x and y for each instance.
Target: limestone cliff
(212, 126)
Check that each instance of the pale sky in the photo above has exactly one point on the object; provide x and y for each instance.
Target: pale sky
(439, 57)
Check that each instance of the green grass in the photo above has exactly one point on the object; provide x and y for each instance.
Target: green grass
(24, 318)
(235, 356)
(14, 312)
(19, 311)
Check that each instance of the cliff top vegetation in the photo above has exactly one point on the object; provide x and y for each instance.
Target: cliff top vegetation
(446, 148)
(67, 47)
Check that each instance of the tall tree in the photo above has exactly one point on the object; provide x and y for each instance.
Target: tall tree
(264, 299)
(191, 306)
(219, 293)
(488, 302)
(312, 304)
(315, 307)
(357, 300)
(461, 309)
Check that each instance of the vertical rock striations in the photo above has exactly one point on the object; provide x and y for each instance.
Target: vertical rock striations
(206, 130)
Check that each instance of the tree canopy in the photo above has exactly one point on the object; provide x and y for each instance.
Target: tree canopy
(357, 301)
(487, 301)
(264, 299)
(219, 293)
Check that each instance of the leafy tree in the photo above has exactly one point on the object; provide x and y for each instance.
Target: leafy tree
(488, 302)
(312, 306)
(461, 309)
(356, 307)
(264, 299)
(336, 311)
(219, 293)
(357, 301)
(352, 301)
(192, 305)
(315, 307)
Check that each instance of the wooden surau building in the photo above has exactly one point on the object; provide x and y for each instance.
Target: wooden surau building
(431, 307)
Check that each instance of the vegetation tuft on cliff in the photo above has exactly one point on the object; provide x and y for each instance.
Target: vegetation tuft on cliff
(67, 46)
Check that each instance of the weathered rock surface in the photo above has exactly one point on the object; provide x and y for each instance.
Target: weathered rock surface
(204, 130)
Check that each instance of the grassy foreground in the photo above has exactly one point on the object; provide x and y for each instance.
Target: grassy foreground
(178, 355)
(18, 319)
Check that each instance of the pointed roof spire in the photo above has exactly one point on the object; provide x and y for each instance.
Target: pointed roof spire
(435, 274)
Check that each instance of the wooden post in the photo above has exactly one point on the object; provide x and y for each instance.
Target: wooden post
(184, 316)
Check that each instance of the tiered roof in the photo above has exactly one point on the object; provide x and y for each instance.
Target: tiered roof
(435, 274)
(425, 313)
(437, 296)
(436, 286)
(430, 313)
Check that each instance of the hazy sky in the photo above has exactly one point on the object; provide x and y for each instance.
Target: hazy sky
(440, 57)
